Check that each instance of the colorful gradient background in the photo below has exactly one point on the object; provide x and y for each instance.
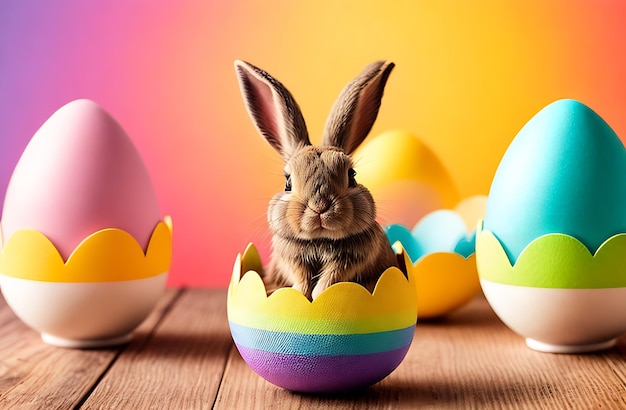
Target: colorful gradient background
(468, 76)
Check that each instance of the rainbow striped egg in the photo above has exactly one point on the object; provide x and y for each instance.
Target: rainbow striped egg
(347, 338)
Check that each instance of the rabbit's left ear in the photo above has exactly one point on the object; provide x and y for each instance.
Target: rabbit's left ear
(272, 109)
(356, 108)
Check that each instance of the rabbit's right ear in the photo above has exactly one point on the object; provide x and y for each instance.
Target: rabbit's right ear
(356, 108)
(272, 109)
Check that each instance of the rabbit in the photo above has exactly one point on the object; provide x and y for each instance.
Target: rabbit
(323, 224)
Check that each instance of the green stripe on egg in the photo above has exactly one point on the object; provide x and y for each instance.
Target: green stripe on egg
(554, 261)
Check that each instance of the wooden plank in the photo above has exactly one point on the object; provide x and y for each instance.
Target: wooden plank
(38, 376)
(470, 360)
(474, 361)
(179, 367)
(183, 357)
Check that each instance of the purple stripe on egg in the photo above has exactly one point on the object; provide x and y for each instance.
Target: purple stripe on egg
(322, 374)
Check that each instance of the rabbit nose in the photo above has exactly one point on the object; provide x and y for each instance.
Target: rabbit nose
(319, 205)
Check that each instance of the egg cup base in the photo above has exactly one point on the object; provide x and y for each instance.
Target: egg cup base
(83, 314)
(86, 343)
(560, 320)
(569, 349)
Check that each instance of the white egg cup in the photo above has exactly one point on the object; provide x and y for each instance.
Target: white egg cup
(83, 315)
(560, 320)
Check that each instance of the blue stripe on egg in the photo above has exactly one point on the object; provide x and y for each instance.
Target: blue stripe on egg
(321, 344)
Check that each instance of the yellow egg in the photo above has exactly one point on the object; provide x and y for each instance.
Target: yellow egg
(405, 177)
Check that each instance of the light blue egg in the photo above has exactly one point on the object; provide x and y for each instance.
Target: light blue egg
(565, 172)
(438, 231)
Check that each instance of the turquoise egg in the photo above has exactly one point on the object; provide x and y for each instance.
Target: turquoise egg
(439, 231)
(565, 172)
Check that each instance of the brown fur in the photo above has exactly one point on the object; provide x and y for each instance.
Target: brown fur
(324, 228)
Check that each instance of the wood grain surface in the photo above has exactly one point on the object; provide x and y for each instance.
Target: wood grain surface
(182, 357)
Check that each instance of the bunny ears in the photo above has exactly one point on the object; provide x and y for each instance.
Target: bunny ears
(279, 119)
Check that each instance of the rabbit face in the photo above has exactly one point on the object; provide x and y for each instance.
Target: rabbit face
(321, 198)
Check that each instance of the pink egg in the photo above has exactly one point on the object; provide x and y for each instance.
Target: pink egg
(79, 174)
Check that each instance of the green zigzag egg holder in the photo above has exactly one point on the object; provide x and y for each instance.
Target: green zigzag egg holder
(558, 295)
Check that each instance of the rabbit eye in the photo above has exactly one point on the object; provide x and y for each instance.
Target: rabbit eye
(287, 182)
(351, 178)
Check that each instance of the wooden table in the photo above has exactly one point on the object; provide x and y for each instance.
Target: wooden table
(182, 357)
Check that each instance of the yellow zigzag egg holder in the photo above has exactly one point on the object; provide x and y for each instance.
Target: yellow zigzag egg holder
(107, 255)
(343, 308)
(445, 281)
